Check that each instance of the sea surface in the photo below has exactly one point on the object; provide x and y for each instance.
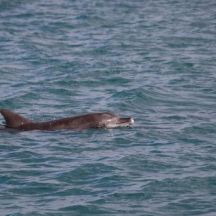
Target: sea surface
(152, 60)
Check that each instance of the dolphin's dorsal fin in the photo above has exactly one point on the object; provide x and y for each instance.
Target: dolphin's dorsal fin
(13, 120)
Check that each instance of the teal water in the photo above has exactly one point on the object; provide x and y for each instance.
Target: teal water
(152, 60)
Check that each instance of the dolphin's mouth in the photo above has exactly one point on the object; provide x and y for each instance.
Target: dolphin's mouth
(121, 122)
(125, 122)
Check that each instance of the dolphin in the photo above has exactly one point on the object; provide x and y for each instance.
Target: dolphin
(92, 120)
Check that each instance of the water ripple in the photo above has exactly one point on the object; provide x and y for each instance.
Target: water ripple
(152, 60)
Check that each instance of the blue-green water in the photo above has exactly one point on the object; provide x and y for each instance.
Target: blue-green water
(152, 60)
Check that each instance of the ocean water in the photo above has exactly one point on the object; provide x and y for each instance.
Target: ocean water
(152, 60)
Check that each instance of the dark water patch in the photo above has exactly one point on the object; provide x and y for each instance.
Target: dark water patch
(34, 189)
(89, 209)
(86, 173)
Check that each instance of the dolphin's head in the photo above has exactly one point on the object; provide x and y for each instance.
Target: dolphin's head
(109, 120)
